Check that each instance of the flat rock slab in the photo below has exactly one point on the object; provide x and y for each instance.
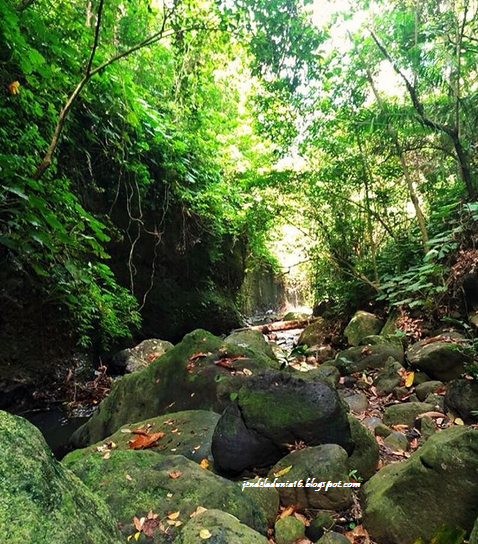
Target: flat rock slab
(406, 413)
(187, 433)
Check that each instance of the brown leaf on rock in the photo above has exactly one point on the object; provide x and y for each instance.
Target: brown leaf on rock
(143, 441)
(199, 510)
(302, 519)
(175, 474)
(358, 535)
(149, 526)
(138, 523)
(287, 511)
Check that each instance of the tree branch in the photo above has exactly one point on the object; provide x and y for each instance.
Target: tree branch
(24, 5)
(89, 73)
(451, 132)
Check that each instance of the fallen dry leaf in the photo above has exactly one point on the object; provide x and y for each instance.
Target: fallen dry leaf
(199, 510)
(149, 526)
(204, 534)
(283, 471)
(14, 87)
(302, 519)
(173, 515)
(128, 477)
(138, 523)
(458, 421)
(409, 378)
(175, 474)
(358, 535)
(174, 522)
(288, 511)
(204, 463)
(143, 441)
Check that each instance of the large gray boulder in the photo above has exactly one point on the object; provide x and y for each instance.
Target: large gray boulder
(461, 399)
(201, 372)
(371, 356)
(271, 413)
(310, 466)
(40, 501)
(361, 325)
(437, 485)
(441, 360)
(134, 359)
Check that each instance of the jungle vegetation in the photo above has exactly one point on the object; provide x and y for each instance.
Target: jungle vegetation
(219, 120)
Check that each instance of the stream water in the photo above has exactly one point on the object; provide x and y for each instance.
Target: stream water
(56, 426)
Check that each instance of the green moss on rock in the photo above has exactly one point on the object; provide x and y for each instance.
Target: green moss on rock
(41, 502)
(222, 528)
(174, 382)
(437, 485)
(132, 482)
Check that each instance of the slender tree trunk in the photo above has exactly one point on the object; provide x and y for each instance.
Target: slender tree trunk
(451, 131)
(405, 169)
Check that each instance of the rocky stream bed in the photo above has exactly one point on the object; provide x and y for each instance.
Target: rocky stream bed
(165, 456)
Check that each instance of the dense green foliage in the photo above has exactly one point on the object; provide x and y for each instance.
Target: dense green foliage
(164, 132)
(130, 121)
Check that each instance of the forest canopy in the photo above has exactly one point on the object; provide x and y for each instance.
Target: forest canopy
(207, 124)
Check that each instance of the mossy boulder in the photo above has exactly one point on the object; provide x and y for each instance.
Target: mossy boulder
(375, 356)
(288, 530)
(441, 360)
(461, 399)
(437, 485)
(296, 316)
(310, 466)
(357, 402)
(474, 534)
(396, 441)
(361, 325)
(315, 333)
(134, 359)
(389, 377)
(424, 389)
(322, 522)
(186, 377)
(406, 413)
(365, 457)
(252, 343)
(41, 502)
(333, 538)
(187, 433)
(134, 482)
(274, 410)
(222, 528)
